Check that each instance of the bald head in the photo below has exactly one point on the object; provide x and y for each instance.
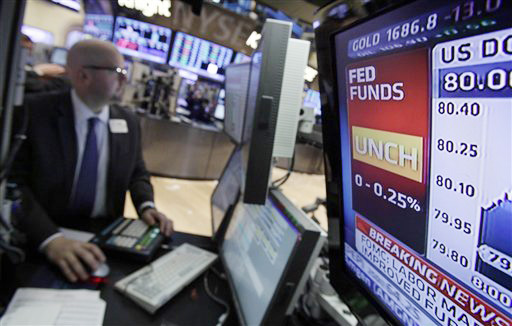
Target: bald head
(91, 66)
(92, 52)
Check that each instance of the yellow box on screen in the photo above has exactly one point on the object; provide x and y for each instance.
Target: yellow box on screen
(398, 153)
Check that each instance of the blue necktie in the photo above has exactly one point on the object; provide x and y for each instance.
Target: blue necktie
(85, 189)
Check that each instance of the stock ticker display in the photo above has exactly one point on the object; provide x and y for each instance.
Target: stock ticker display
(99, 26)
(193, 52)
(142, 40)
(425, 99)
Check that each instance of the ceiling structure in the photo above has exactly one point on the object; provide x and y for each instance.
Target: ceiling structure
(303, 10)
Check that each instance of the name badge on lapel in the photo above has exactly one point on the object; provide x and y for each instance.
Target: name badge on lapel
(118, 126)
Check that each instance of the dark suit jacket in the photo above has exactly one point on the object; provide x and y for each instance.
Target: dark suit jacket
(45, 166)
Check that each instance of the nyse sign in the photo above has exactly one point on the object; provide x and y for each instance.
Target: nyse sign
(215, 24)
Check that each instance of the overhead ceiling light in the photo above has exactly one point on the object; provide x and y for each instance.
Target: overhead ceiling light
(212, 68)
(148, 7)
(316, 23)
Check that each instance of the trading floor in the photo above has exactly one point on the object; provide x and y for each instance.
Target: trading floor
(187, 202)
(395, 117)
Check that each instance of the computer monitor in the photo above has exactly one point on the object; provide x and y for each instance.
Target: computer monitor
(203, 57)
(99, 26)
(265, 81)
(226, 194)
(142, 40)
(267, 254)
(241, 58)
(312, 99)
(59, 56)
(236, 85)
(418, 137)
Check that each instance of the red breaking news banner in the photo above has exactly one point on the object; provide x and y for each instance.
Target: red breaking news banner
(459, 295)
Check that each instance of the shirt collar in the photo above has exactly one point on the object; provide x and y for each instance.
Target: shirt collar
(83, 113)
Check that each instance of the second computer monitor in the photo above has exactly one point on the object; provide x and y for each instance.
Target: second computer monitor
(236, 84)
(263, 98)
(59, 56)
(226, 193)
(267, 253)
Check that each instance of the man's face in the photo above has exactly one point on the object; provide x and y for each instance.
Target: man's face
(106, 84)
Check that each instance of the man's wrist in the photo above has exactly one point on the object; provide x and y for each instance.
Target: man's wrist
(44, 244)
(144, 206)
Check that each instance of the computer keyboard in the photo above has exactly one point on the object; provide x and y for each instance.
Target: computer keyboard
(156, 283)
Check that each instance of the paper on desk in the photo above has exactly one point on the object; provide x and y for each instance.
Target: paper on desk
(44, 314)
(74, 307)
(76, 234)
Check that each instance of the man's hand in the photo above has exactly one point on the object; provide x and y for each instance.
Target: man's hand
(152, 216)
(70, 255)
(49, 69)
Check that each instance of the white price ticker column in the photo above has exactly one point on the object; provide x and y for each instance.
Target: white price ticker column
(471, 157)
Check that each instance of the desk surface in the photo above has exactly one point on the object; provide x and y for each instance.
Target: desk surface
(191, 306)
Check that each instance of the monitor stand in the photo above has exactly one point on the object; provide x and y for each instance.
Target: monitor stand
(322, 295)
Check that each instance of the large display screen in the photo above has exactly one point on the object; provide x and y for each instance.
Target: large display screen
(99, 26)
(142, 40)
(425, 101)
(201, 56)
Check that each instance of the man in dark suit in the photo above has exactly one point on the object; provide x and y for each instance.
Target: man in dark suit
(80, 157)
